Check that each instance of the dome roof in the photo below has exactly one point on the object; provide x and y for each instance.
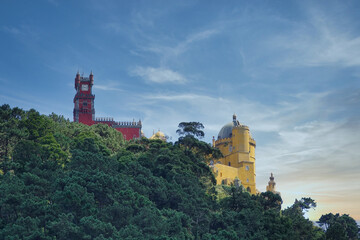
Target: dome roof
(226, 130)
(158, 135)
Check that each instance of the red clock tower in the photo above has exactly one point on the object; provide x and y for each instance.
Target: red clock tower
(84, 111)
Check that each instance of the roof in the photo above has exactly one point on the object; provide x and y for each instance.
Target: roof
(226, 130)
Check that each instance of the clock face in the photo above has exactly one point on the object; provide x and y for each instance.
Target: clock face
(84, 87)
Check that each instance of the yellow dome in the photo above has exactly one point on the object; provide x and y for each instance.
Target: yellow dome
(158, 135)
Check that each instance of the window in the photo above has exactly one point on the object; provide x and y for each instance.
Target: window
(229, 164)
(247, 180)
(247, 168)
(220, 174)
(248, 189)
(85, 103)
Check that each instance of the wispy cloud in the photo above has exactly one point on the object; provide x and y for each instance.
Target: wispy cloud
(179, 97)
(318, 42)
(167, 52)
(159, 75)
(195, 37)
(106, 88)
(22, 32)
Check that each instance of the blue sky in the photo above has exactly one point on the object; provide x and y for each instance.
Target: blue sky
(290, 70)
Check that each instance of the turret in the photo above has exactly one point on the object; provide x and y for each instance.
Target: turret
(91, 77)
(77, 80)
(271, 184)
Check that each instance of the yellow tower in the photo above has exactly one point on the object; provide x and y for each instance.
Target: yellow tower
(271, 185)
(238, 147)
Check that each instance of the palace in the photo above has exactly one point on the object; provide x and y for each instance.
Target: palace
(238, 163)
(84, 110)
(234, 140)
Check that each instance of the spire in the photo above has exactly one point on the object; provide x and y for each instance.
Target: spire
(91, 77)
(271, 185)
(272, 177)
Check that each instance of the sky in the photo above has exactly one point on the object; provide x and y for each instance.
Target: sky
(290, 70)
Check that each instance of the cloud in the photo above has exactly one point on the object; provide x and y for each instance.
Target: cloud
(106, 88)
(317, 42)
(179, 97)
(167, 52)
(195, 37)
(159, 75)
(23, 32)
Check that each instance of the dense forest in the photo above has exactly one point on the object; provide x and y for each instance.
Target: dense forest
(65, 180)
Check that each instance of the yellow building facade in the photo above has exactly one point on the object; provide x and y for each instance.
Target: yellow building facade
(238, 164)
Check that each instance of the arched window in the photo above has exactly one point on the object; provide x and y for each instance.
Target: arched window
(248, 189)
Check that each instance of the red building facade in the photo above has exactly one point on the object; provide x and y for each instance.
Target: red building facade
(84, 110)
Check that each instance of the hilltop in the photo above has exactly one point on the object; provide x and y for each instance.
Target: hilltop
(66, 180)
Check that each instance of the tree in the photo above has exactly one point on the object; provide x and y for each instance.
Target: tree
(302, 228)
(191, 128)
(339, 227)
(10, 131)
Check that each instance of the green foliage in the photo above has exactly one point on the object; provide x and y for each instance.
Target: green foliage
(339, 227)
(301, 227)
(10, 130)
(191, 129)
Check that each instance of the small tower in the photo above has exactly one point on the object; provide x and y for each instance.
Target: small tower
(271, 185)
(84, 111)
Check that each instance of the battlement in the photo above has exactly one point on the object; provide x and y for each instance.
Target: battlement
(242, 126)
(110, 121)
(104, 119)
(127, 124)
(223, 140)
